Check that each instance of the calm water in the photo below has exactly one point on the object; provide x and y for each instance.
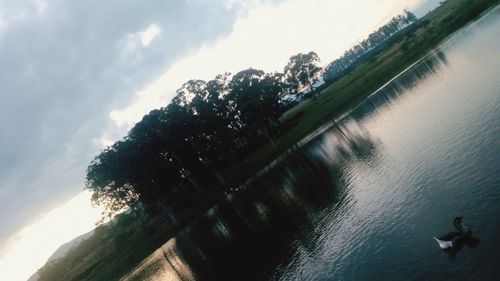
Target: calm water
(363, 200)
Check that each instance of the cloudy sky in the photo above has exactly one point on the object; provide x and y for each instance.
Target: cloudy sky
(75, 75)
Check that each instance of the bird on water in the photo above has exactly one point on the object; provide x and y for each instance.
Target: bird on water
(454, 238)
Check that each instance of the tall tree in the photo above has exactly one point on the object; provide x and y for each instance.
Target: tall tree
(254, 99)
(302, 72)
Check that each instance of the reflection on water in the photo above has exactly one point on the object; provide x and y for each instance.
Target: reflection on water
(362, 200)
(431, 65)
(249, 233)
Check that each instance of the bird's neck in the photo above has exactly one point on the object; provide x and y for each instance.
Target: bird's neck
(458, 226)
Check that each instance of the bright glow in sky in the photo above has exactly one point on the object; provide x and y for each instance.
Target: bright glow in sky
(265, 39)
(37, 242)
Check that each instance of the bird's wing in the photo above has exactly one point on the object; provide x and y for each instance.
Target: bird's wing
(444, 244)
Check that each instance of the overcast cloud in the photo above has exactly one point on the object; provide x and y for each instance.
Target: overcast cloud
(64, 66)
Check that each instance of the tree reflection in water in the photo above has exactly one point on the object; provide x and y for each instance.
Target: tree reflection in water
(246, 235)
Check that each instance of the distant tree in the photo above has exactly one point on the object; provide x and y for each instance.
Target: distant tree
(410, 17)
(337, 67)
(302, 72)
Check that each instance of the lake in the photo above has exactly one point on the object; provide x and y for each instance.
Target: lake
(363, 199)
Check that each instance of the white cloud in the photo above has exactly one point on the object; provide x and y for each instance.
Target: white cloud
(149, 34)
(131, 46)
(104, 141)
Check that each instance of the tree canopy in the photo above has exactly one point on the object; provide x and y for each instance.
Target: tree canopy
(175, 155)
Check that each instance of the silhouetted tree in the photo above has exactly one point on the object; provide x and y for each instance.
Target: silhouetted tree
(302, 72)
(175, 154)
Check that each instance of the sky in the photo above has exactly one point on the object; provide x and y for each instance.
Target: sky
(76, 75)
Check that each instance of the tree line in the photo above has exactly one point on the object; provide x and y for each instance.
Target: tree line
(337, 67)
(171, 158)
